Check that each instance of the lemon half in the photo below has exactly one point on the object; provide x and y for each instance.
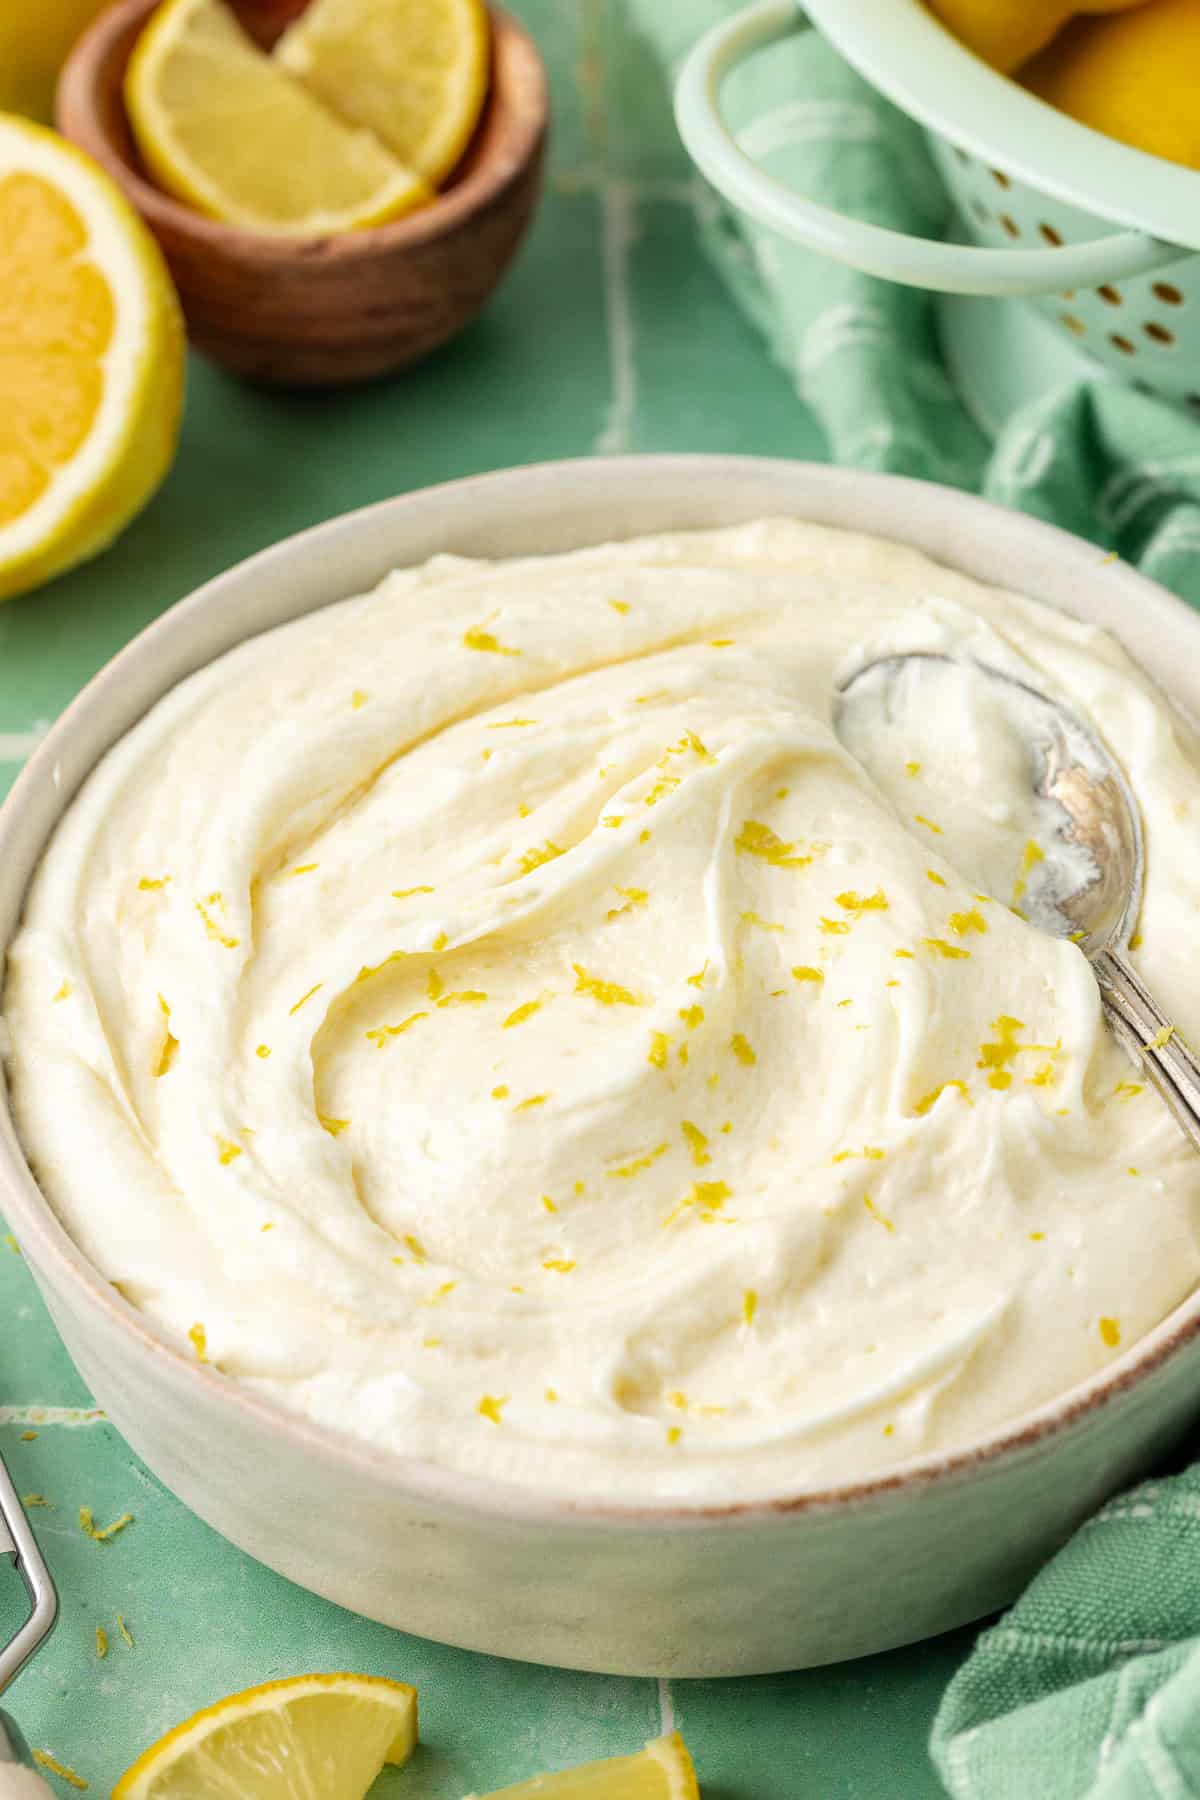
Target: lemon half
(91, 358)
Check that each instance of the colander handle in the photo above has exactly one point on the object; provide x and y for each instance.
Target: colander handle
(894, 255)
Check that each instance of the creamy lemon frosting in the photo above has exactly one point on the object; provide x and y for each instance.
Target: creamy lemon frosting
(499, 1018)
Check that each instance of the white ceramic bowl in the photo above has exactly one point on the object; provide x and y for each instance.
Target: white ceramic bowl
(668, 1590)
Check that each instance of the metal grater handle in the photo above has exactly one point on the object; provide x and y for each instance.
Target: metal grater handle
(17, 1541)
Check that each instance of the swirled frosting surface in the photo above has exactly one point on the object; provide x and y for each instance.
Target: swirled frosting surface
(497, 1017)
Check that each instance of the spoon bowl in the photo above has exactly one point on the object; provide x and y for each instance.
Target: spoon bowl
(1088, 885)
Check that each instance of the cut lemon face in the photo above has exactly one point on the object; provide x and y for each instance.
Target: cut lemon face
(288, 1740)
(662, 1771)
(91, 358)
(226, 129)
(414, 71)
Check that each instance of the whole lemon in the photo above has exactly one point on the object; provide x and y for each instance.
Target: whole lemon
(1135, 78)
(1007, 33)
(34, 41)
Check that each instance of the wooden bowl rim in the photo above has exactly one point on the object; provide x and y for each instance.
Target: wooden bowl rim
(519, 131)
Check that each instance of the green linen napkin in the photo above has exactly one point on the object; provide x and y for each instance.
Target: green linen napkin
(1089, 1689)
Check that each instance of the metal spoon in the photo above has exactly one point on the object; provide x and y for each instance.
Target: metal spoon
(1089, 888)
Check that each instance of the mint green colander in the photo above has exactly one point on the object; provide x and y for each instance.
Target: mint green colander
(1096, 242)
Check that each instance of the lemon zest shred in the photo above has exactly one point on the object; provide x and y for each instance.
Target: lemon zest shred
(476, 638)
(880, 1218)
(101, 1534)
(1162, 1038)
(697, 1143)
(660, 1045)
(560, 1265)
(963, 922)
(749, 1306)
(44, 1760)
(1110, 1331)
(300, 1002)
(805, 972)
(381, 1033)
(333, 1126)
(492, 1406)
(692, 1016)
(464, 997)
(859, 903)
(65, 991)
(407, 893)
(948, 952)
(742, 1049)
(212, 928)
(930, 1100)
(101, 1643)
(537, 855)
(757, 839)
(533, 1100)
(920, 819)
(227, 1151)
(150, 884)
(519, 1014)
(752, 918)
(608, 993)
(628, 1170)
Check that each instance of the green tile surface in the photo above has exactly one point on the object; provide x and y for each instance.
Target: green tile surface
(611, 334)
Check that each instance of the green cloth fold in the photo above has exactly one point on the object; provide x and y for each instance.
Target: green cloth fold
(1089, 1689)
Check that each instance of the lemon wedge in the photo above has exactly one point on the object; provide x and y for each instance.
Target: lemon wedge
(287, 1740)
(225, 128)
(662, 1771)
(414, 71)
(91, 358)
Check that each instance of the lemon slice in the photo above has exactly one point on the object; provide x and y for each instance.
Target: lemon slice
(662, 1771)
(225, 128)
(91, 358)
(414, 71)
(288, 1740)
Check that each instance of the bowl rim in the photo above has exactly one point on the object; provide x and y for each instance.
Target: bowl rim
(905, 51)
(58, 1262)
(522, 130)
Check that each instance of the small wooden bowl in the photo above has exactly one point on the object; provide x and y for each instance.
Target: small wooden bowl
(317, 312)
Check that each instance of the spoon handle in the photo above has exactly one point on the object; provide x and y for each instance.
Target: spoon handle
(1152, 1040)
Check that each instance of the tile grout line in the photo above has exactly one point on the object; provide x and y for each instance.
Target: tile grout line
(666, 1706)
(72, 1417)
(618, 221)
